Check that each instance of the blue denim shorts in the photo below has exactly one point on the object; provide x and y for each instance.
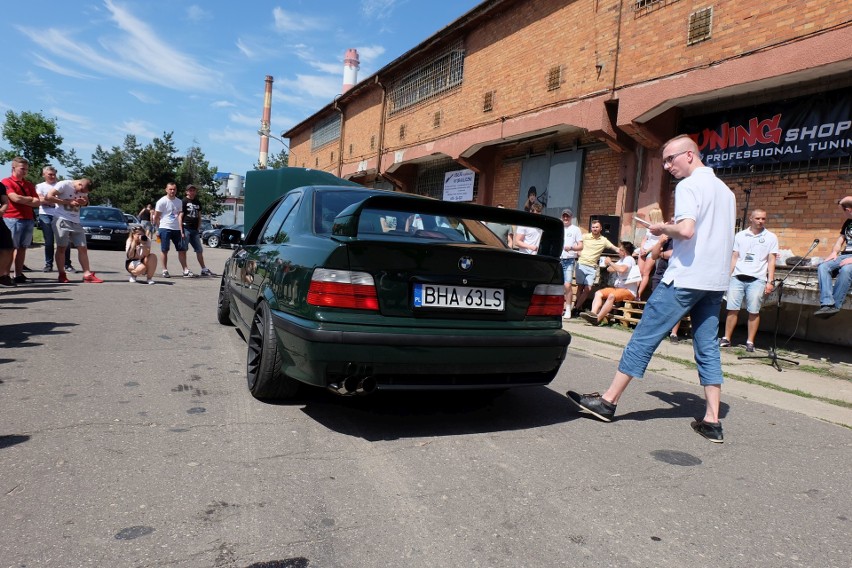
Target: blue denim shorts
(753, 292)
(586, 274)
(171, 235)
(21, 230)
(568, 269)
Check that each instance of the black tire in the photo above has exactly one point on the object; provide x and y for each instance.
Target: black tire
(263, 366)
(223, 304)
(213, 241)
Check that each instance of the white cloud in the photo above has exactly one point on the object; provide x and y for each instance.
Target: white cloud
(33, 80)
(318, 86)
(196, 13)
(136, 53)
(222, 104)
(369, 53)
(243, 140)
(77, 119)
(241, 45)
(244, 119)
(377, 8)
(56, 68)
(139, 128)
(286, 22)
(147, 99)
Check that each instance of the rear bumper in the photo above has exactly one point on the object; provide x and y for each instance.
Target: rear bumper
(401, 359)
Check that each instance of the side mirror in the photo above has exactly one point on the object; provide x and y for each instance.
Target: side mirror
(231, 237)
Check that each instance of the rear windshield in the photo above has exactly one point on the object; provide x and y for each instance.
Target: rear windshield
(399, 224)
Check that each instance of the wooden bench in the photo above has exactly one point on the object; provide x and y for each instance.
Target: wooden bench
(630, 312)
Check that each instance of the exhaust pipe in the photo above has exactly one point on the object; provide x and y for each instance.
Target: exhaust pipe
(366, 386)
(357, 381)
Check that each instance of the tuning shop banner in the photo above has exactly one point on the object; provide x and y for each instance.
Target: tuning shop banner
(815, 127)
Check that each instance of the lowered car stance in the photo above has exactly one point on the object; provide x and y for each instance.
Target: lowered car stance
(356, 290)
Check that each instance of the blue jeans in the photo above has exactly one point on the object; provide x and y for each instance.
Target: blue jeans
(568, 269)
(46, 223)
(193, 239)
(829, 296)
(666, 306)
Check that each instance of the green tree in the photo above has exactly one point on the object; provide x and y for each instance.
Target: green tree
(275, 161)
(194, 169)
(34, 137)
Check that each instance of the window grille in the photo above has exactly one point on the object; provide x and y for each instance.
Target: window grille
(325, 131)
(554, 78)
(436, 120)
(401, 132)
(643, 7)
(440, 74)
(351, 147)
(700, 26)
(488, 102)
(331, 158)
(430, 178)
(316, 163)
(373, 142)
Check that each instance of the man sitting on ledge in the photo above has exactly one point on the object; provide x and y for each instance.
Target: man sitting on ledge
(838, 263)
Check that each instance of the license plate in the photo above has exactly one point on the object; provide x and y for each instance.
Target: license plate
(458, 297)
(99, 237)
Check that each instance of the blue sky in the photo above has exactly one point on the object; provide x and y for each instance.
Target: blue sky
(108, 68)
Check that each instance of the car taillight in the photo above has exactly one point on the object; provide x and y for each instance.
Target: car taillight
(343, 289)
(547, 300)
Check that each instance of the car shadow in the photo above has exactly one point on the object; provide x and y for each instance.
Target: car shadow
(395, 415)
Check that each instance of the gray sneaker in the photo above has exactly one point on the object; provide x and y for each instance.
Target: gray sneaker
(826, 311)
(594, 404)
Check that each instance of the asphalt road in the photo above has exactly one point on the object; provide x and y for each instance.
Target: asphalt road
(128, 439)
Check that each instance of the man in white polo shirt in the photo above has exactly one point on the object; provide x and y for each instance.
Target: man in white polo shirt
(752, 276)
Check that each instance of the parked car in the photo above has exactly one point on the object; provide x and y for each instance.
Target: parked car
(105, 226)
(132, 219)
(357, 289)
(213, 237)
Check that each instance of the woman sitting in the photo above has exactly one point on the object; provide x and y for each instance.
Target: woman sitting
(140, 259)
(606, 298)
(646, 263)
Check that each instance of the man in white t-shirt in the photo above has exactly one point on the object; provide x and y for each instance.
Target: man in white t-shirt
(167, 217)
(698, 274)
(45, 220)
(752, 276)
(68, 196)
(572, 244)
(527, 239)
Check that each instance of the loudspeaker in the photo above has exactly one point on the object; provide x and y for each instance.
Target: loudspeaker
(610, 226)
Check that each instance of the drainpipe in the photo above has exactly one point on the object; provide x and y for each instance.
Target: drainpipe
(382, 124)
(340, 144)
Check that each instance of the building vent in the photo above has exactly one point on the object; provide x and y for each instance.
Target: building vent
(402, 132)
(436, 120)
(643, 7)
(554, 78)
(488, 102)
(373, 142)
(351, 148)
(700, 26)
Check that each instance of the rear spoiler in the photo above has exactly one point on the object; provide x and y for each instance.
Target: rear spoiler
(346, 223)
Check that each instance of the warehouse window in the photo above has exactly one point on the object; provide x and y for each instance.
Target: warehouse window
(643, 7)
(440, 74)
(325, 131)
(430, 178)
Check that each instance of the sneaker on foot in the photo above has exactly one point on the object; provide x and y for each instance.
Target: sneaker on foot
(92, 279)
(594, 404)
(21, 279)
(62, 278)
(590, 318)
(132, 278)
(826, 311)
(712, 432)
(151, 281)
(26, 269)
(187, 273)
(724, 342)
(567, 314)
(673, 339)
(69, 268)
(47, 268)
(206, 272)
(166, 274)
(749, 347)
(7, 282)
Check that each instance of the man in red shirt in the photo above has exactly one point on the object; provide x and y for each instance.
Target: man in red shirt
(20, 214)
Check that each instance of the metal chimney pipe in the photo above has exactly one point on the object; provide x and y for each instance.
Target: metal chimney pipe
(263, 159)
(351, 64)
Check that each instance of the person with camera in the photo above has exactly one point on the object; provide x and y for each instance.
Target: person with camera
(140, 260)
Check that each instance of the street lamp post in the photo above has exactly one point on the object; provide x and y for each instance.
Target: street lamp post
(264, 131)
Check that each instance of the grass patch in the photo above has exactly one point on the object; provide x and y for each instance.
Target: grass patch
(796, 392)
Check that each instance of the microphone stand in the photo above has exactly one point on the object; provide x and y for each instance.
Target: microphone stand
(772, 353)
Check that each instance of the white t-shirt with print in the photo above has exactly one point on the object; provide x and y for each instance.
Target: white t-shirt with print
(169, 210)
(66, 190)
(753, 253)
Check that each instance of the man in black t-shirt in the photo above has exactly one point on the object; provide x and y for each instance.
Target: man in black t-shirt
(838, 263)
(190, 228)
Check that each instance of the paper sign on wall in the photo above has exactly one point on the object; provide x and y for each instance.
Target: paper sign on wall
(458, 185)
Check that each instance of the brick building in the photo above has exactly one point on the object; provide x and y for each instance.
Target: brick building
(575, 98)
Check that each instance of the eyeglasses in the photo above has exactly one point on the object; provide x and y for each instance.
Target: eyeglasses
(671, 158)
